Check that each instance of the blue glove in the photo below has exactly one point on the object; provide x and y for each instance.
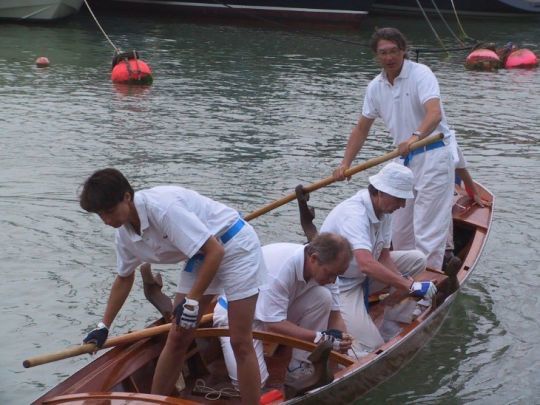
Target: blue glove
(186, 313)
(98, 336)
(423, 289)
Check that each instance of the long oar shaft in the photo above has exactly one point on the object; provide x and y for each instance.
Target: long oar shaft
(329, 180)
(111, 342)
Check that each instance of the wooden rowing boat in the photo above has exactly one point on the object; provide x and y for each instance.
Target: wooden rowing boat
(123, 375)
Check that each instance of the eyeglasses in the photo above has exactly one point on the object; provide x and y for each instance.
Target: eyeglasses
(389, 52)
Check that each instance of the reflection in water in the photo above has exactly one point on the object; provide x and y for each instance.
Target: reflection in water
(244, 114)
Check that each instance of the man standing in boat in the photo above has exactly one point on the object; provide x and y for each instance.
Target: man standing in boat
(365, 220)
(170, 224)
(406, 96)
(301, 300)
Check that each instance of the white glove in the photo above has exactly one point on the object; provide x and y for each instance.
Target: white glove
(324, 337)
(423, 289)
(186, 313)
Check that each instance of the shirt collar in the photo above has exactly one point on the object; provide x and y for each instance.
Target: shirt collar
(366, 199)
(140, 206)
(299, 259)
(405, 70)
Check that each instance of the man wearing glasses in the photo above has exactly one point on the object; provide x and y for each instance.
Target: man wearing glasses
(406, 96)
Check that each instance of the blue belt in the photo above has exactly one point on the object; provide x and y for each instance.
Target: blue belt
(230, 233)
(223, 302)
(434, 145)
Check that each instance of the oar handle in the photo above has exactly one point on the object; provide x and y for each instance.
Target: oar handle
(349, 172)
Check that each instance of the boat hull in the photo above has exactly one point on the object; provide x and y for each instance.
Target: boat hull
(318, 10)
(497, 8)
(38, 10)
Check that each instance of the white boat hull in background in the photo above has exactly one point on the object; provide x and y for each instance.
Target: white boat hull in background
(38, 10)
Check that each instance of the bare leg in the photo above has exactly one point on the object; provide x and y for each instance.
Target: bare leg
(241, 314)
(171, 359)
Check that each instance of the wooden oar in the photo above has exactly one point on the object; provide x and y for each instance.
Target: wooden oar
(349, 172)
(88, 348)
(156, 330)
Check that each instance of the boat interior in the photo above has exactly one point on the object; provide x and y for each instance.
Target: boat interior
(128, 370)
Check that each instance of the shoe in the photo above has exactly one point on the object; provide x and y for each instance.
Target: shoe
(302, 371)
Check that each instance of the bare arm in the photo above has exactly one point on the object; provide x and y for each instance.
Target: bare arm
(213, 254)
(470, 187)
(335, 321)
(356, 141)
(432, 118)
(374, 269)
(119, 292)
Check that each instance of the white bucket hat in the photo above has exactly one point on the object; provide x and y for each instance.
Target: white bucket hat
(394, 179)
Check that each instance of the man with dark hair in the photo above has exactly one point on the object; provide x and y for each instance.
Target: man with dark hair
(406, 96)
(365, 220)
(170, 224)
(301, 299)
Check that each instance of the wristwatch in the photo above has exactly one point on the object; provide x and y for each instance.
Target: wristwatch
(418, 134)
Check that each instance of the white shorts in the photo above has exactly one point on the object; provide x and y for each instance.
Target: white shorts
(242, 270)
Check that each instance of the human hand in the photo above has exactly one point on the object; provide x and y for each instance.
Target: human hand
(334, 336)
(186, 313)
(98, 336)
(405, 147)
(339, 172)
(346, 343)
(423, 289)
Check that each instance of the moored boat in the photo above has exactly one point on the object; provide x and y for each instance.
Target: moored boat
(124, 374)
(493, 8)
(38, 10)
(320, 10)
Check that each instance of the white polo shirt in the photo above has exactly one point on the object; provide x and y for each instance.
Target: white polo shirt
(355, 220)
(175, 223)
(401, 105)
(285, 264)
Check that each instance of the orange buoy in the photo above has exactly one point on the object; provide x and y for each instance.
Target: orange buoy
(42, 61)
(483, 59)
(521, 58)
(132, 71)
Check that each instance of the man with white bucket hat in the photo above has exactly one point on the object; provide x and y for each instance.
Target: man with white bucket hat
(365, 220)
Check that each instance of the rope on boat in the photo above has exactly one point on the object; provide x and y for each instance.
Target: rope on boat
(117, 50)
(212, 394)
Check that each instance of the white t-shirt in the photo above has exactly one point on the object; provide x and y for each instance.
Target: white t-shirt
(401, 105)
(175, 223)
(285, 264)
(355, 220)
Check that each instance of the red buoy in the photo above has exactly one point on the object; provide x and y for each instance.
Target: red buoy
(483, 59)
(42, 61)
(521, 58)
(132, 71)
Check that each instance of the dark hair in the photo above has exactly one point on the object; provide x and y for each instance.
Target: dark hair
(329, 247)
(103, 190)
(389, 34)
(372, 189)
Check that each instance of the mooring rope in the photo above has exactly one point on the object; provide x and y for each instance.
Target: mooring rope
(117, 50)
(429, 23)
(445, 23)
(465, 36)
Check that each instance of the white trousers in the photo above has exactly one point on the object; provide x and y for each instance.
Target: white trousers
(310, 310)
(423, 223)
(366, 335)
